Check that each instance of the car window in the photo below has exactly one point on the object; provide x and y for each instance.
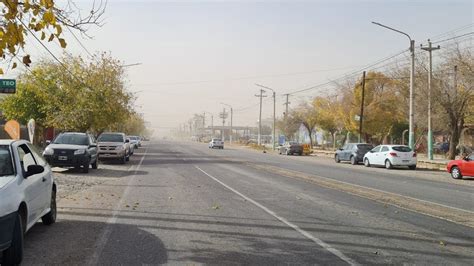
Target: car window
(376, 149)
(111, 138)
(401, 148)
(37, 155)
(26, 157)
(364, 147)
(384, 149)
(6, 165)
(344, 147)
(73, 139)
(471, 157)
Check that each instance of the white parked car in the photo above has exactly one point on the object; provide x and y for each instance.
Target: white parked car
(216, 143)
(390, 156)
(27, 194)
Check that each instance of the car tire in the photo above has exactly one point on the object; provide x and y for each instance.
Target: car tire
(85, 167)
(336, 158)
(95, 165)
(50, 217)
(456, 173)
(127, 158)
(123, 160)
(388, 164)
(366, 162)
(353, 160)
(412, 167)
(14, 254)
(300, 154)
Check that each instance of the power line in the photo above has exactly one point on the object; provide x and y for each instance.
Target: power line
(80, 43)
(455, 37)
(452, 31)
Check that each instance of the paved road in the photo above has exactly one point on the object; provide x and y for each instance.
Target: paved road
(181, 203)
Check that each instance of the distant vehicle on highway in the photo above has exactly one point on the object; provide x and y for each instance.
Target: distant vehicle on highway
(114, 145)
(390, 156)
(291, 147)
(27, 193)
(73, 149)
(216, 143)
(353, 152)
(462, 167)
(135, 141)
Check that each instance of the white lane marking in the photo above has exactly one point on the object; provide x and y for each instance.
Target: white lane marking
(104, 237)
(318, 241)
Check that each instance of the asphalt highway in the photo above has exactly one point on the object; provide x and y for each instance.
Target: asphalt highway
(181, 203)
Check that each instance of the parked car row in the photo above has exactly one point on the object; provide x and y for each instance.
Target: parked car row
(82, 150)
(382, 155)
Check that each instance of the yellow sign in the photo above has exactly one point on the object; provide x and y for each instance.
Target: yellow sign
(12, 127)
(306, 149)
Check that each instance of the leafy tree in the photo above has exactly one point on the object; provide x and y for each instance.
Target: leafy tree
(288, 125)
(44, 17)
(327, 118)
(307, 115)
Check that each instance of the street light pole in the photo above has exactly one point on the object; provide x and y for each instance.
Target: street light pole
(274, 114)
(430, 76)
(411, 135)
(260, 117)
(231, 118)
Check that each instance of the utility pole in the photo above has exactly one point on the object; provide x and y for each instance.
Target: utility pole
(361, 117)
(212, 126)
(274, 114)
(287, 103)
(430, 76)
(231, 118)
(411, 135)
(260, 117)
(223, 115)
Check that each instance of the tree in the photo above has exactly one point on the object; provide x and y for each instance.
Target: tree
(288, 125)
(45, 17)
(327, 118)
(306, 115)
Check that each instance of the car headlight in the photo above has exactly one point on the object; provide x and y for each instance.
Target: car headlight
(119, 148)
(79, 152)
(48, 151)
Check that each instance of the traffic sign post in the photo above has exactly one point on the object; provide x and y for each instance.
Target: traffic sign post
(7, 86)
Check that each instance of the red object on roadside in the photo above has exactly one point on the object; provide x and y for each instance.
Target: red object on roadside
(462, 167)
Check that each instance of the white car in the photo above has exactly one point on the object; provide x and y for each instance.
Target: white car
(27, 194)
(216, 143)
(390, 156)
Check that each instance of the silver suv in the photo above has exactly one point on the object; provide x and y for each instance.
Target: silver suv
(114, 145)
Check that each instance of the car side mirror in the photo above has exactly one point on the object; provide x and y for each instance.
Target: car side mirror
(341, 149)
(93, 145)
(48, 142)
(33, 170)
(371, 151)
(127, 141)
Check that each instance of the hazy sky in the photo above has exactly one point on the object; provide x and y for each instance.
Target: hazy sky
(197, 54)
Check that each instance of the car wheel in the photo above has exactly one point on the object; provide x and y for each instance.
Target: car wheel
(412, 167)
(77, 168)
(127, 158)
(95, 165)
(85, 167)
(366, 162)
(353, 160)
(456, 172)
(336, 158)
(123, 160)
(388, 164)
(300, 154)
(14, 254)
(50, 217)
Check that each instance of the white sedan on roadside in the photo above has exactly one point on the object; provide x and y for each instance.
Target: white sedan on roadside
(390, 156)
(216, 143)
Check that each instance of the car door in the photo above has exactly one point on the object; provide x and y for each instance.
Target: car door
(347, 152)
(33, 185)
(340, 152)
(47, 178)
(92, 148)
(383, 154)
(373, 155)
(468, 166)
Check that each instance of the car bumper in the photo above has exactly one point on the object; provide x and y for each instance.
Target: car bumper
(111, 154)
(7, 223)
(402, 162)
(69, 161)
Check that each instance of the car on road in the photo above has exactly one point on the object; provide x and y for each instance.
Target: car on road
(115, 146)
(462, 167)
(216, 143)
(291, 147)
(27, 194)
(73, 149)
(390, 156)
(352, 152)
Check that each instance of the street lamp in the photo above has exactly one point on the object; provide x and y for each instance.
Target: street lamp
(274, 110)
(231, 118)
(411, 135)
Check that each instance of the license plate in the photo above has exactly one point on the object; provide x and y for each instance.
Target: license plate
(62, 158)
(406, 161)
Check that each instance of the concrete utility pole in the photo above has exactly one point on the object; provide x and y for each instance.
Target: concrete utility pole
(274, 114)
(231, 118)
(260, 117)
(411, 135)
(223, 115)
(362, 107)
(430, 76)
(287, 103)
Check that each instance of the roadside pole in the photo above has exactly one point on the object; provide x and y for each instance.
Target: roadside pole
(259, 141)
(362, 107)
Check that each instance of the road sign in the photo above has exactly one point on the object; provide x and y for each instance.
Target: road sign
(7, 86)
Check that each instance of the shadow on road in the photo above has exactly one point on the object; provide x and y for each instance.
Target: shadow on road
(103, 172)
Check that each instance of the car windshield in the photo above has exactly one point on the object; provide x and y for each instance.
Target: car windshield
(401, 148)
(6, 166)
(110, 138)
(73, 139)
(293, 143)
(365, 147)
(216, 140)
